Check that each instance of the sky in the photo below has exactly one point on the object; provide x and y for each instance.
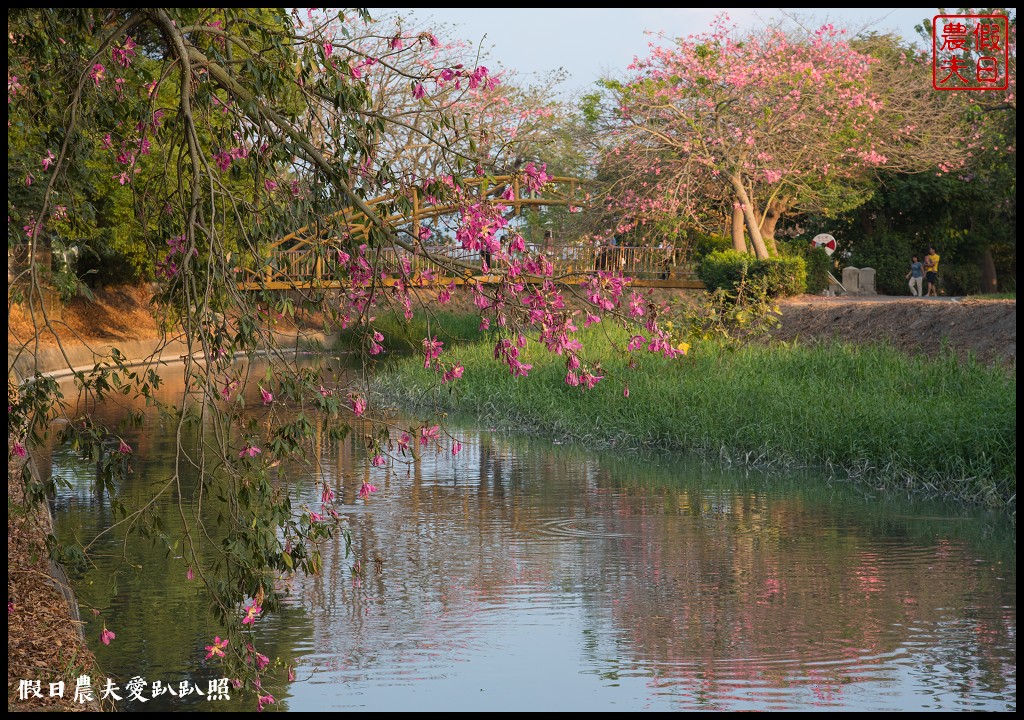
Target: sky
(591, 42)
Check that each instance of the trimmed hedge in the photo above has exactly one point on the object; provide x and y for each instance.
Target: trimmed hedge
(725, 269)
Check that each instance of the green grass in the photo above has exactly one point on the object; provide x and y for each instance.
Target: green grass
(939, 427)
(405, 337)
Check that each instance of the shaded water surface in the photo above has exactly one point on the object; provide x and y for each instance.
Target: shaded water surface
(519, 575)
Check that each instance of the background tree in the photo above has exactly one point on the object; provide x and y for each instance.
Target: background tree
(773, 122)
(968, 212)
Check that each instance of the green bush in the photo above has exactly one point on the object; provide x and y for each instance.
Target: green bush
(705, 244)
(726, 269)
(723, 269)
(818, 263)
(785, 275)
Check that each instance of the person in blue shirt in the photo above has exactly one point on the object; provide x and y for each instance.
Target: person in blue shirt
(916, 276)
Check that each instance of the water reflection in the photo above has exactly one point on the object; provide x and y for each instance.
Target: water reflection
(521, 576)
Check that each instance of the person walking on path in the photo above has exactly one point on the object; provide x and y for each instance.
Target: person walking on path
(931, 272)
(916, 275)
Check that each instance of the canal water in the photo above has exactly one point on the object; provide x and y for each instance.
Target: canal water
(520, 575)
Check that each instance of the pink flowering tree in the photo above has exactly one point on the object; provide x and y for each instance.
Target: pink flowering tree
(230, 129)
(770, 122)
(420, 77)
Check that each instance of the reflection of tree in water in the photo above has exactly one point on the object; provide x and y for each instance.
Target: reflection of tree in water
(783, 600)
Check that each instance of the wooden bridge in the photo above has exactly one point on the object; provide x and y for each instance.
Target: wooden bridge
(308, 257)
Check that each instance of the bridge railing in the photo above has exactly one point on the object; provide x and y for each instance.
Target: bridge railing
(303, 267)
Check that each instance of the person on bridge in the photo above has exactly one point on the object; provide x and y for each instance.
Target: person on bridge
(668, 253)
(606, 254)
(485, 255)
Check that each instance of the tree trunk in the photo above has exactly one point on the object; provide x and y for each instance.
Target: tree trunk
(739, 244)
(753, 227)
(771, 220)
(989, 282)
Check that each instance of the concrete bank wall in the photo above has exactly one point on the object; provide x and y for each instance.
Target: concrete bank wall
(59, 362)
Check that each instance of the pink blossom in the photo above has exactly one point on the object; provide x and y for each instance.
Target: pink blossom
(223, 161)
(123, 54)
(13, 88)
(19, 449)
(106, 636)
(453, 374)
(418, 92)
(456, 447)
(264, 700)
(535, 177)
(229, 387)
(217, 649)
(269, 185)
(358, 405)
(252, 611)
(267, 396)
(428, 434)
(625, 391)
(124, 448)
(328, 49)
(97, 73)
(367, 489)
(378, 461)
(189, 575)
(48, 160)
(250, 451)
(396, 42)
(403, 442)
(431, 350)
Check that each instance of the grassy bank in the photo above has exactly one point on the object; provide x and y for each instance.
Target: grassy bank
(938, 427)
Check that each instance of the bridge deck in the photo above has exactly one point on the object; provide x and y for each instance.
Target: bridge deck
(299, 268)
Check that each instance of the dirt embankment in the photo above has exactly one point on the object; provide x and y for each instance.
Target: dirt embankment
(985, 328)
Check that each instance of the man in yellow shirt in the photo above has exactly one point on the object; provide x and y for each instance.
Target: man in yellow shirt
(931, 271)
